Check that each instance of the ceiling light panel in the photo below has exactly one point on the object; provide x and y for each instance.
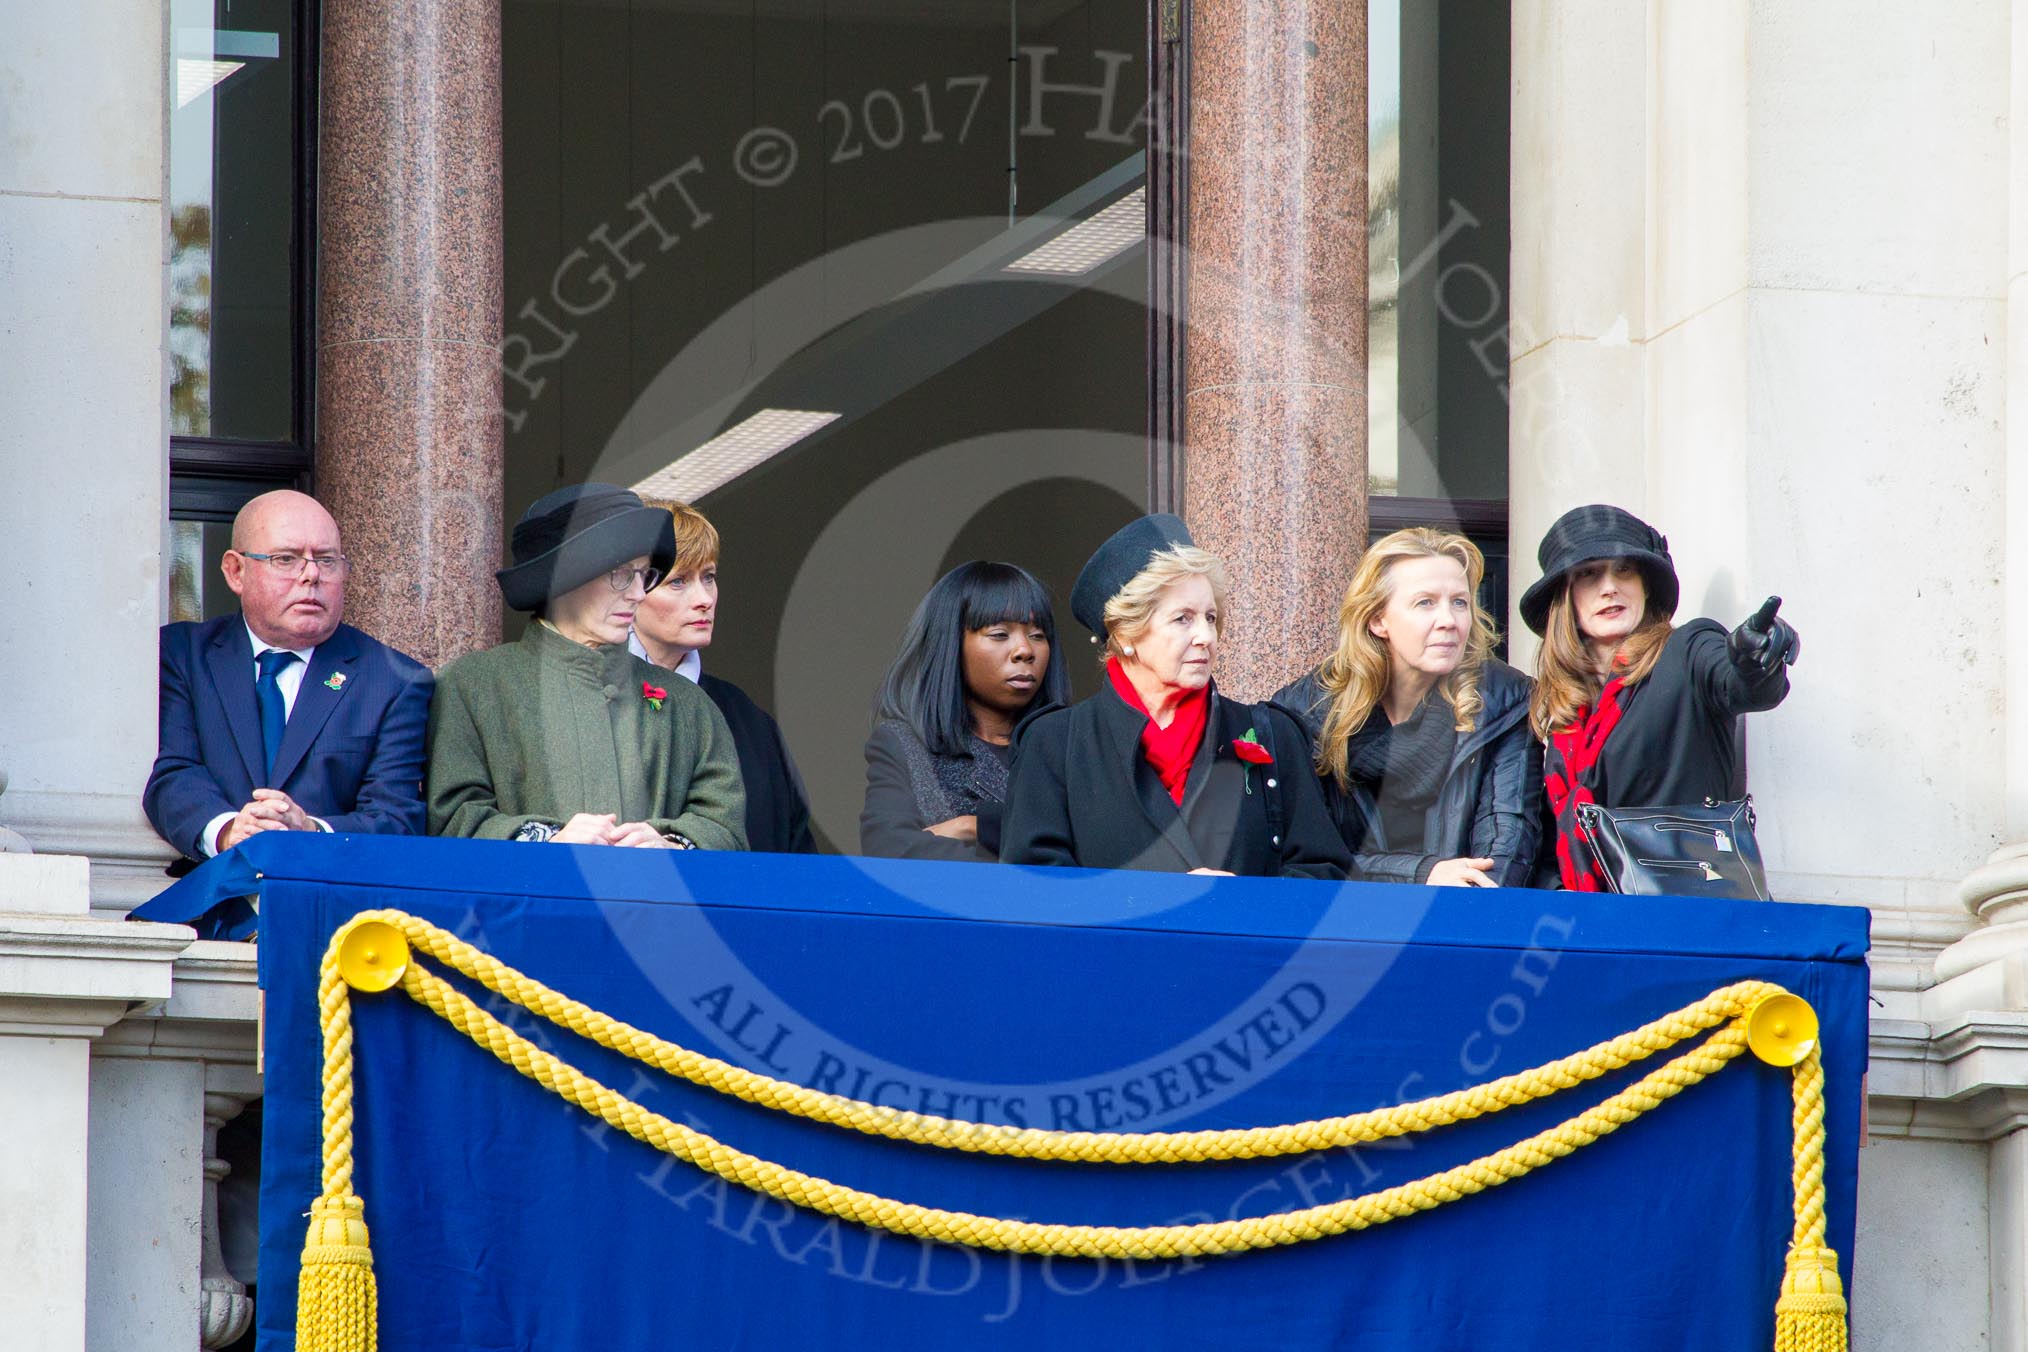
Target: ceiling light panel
(195, 77)
(732, 453)
(1091, 241)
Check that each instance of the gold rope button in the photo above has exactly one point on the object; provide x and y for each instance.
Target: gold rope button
(372, 954)
(1781, 1029)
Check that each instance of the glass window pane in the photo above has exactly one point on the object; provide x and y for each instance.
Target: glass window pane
(1383, 241)
(232, 187)
(197, 590)
(866, 280)
(1437, 240)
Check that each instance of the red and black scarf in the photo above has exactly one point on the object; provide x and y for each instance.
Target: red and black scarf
(1171, 750)
(1572, 754)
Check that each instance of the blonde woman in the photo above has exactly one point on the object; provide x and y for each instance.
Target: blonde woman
(1636, 710)
(1158, 771)
(1420, 736)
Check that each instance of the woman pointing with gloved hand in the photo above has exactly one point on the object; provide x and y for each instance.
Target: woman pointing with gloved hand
(1634, 710)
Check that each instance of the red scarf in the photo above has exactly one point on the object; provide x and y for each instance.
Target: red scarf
(1173, 749)
(1572, 754)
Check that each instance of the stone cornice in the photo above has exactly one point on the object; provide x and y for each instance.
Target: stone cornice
(45, 957)
(127, 856)
(216, 981)
(1963, 1080)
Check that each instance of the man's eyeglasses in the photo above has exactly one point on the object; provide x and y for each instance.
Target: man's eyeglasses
(296, 565)
(622, 578)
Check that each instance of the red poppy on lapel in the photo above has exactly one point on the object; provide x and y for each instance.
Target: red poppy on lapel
(1249, 749)
(654, 694)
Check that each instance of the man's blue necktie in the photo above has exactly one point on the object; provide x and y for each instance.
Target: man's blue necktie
(274, 712)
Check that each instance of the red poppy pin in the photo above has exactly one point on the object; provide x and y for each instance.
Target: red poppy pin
(654, 694)
(1249, 749)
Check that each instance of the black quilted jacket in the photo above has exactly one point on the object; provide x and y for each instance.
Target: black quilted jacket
(1490, 805)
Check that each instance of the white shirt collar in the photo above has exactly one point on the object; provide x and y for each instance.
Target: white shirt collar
(690, 668)
(260, 647)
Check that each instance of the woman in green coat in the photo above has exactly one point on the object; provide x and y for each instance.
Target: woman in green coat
(565, 735)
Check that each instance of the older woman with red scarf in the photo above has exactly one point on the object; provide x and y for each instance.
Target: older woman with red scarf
(1158, 771)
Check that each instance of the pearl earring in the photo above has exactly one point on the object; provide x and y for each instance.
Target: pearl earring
(1127, 649)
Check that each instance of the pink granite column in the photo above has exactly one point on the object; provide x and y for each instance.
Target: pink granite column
(1274, 373)
(409, 316)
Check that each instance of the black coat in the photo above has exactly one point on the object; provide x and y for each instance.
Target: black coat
(1490, 803)
(777, 810)
(1677, 739)
(1084, 794)
(891, 824)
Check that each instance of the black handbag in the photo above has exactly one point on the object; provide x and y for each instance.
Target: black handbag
(1705, 850)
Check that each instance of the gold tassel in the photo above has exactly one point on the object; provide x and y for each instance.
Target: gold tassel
(1810, 1313)
(337, 1304)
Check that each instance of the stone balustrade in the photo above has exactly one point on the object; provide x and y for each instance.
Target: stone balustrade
(123, 1048)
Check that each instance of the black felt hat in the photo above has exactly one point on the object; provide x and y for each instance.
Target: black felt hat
(1584, 534)
(569, 537)
(1118, 562)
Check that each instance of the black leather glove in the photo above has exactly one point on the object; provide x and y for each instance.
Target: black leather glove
(1765, 641)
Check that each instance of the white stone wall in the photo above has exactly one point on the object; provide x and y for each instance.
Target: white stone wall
(84, 443)
(1759, 273)
(1920, 1270)
(1768, 292)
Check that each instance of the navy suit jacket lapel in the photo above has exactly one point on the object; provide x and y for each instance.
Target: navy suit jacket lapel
(315, 699)
(1122, 724)
(229, 657)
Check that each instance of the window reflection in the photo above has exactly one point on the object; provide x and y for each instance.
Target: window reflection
(232, 186)
(197, 590)
(866, 281)
(1437, 237)
(1383, 243)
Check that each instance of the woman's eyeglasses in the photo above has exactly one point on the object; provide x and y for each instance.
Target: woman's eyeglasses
(622, 578)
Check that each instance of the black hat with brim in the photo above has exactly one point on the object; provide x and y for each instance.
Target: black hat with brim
(1585, 534)
(1119, 561)
(575, 534)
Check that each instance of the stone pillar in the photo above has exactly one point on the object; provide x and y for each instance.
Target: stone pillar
(408, 316)
(85, 439)
(65, 978)
(1274, 373)
(2015, 580)
(1996, 893)
(2007, 1231)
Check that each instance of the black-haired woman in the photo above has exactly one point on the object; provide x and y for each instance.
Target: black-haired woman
(1636, 711)
(977, 655)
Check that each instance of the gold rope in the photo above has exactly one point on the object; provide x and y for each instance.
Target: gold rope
(1092, 1147)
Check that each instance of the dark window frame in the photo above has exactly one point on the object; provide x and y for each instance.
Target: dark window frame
(1168, 241)
(211, 478)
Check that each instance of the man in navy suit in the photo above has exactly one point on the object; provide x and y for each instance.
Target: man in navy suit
(282, 718)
